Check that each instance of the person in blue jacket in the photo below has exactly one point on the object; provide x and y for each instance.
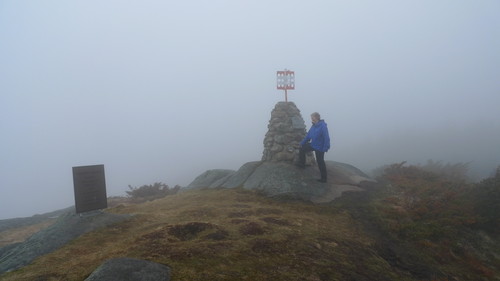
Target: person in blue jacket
(317, 140)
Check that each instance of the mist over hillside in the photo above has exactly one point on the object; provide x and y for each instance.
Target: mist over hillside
(475, 145)
(159, 91)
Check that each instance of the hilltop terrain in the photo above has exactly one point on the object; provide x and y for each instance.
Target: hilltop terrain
(412, 225)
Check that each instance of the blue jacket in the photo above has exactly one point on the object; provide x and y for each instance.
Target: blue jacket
(318, 134)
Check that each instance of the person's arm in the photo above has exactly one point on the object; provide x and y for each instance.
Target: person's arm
(306, 139)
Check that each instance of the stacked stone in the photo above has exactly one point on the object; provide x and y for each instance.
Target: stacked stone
(285, 131)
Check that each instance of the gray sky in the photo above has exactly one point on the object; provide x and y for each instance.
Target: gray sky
(164, 90)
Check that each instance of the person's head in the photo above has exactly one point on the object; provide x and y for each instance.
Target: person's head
(315, 117)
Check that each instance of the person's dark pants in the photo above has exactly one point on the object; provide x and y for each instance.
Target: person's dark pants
(320, 159)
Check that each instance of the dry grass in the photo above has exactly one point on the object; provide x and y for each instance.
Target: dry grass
(221, 234)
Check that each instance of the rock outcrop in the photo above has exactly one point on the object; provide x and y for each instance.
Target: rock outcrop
(68, 227)
(129, 269)
(281, 179)
(214, 177)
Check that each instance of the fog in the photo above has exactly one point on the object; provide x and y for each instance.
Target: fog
(160, 91)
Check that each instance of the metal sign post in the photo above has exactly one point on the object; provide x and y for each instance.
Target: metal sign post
(285, 81)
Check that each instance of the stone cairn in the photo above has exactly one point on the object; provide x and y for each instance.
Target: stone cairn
(285, 131)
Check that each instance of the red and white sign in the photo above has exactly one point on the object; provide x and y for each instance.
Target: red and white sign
(285, 80)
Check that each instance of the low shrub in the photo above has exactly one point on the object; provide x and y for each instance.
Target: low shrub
(152, 191)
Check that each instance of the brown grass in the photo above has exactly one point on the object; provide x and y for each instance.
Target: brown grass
(221, 234)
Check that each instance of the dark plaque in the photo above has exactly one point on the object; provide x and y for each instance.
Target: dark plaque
(298, 123)
(90, 188)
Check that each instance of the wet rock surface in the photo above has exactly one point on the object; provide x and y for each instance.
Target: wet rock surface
(68, 227)
(285, 180)
(129, 269)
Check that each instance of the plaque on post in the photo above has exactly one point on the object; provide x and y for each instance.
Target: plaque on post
(285, 80)
(90, 188)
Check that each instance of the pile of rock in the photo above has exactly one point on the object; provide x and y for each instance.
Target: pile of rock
(285, 131)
